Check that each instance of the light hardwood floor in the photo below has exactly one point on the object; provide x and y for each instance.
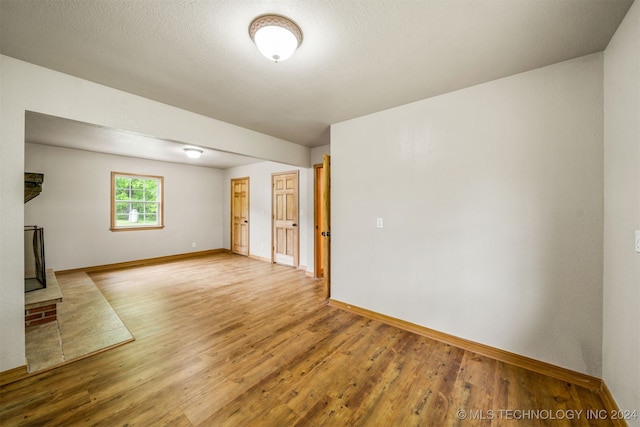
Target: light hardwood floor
(226, 340)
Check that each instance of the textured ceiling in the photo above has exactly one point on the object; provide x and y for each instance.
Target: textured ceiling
(357, 56)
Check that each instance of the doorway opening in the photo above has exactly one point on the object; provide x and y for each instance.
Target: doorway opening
(240, 216)
(322, 222)
(285, 235)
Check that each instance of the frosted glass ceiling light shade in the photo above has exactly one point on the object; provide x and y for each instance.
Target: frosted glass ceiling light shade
(193, 153)
(275, 36)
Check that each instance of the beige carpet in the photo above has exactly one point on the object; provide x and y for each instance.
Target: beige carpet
(86, 325)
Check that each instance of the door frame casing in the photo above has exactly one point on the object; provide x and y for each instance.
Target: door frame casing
(326, 222)
(317, 225)
(231, 212)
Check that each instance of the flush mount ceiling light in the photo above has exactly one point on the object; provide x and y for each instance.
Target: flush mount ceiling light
(193, 153)
(275, 36)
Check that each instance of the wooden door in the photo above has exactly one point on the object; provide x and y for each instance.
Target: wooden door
(326, 222)
(240, 216)
(285, 218)
(318, 220)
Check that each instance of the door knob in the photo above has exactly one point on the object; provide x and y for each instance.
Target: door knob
(294, 225)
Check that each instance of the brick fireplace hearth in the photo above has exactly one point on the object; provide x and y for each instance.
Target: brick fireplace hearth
(41, 306)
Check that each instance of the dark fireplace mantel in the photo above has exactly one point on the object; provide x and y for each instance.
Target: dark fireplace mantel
(32, 185)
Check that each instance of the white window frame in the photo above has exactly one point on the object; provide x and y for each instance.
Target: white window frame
(131, 225)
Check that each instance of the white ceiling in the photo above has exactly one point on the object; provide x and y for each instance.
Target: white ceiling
(357, 56)
(49, 130)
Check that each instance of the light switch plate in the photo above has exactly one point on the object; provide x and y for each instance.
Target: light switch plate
(379, 223)
(637, 240)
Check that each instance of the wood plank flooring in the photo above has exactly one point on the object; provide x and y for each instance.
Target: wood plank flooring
(226, 340)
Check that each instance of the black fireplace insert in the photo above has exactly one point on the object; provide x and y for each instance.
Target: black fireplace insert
(35, 274)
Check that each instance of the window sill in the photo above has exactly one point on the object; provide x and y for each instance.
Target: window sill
(153, 227)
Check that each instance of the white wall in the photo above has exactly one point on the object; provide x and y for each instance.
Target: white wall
(74, 208)
(621, 335)
(317, 154)
(28, 87)
(260, 208)
(492, 201)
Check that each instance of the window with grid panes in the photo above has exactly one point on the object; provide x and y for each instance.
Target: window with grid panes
(136, 202)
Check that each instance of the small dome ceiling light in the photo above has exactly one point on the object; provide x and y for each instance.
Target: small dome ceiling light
(193, 153)
(275, 36)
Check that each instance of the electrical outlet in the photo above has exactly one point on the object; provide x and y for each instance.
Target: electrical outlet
(637, 240)
(379, 223)
(193, 245)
